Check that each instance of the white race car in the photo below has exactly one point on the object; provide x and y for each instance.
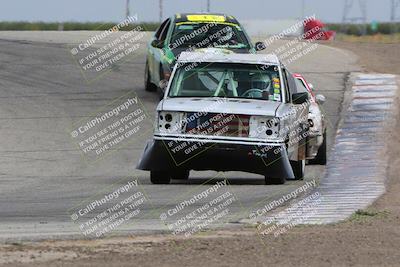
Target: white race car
(229, 112)
(316, 141)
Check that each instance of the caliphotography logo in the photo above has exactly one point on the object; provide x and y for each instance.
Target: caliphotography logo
(199, 133)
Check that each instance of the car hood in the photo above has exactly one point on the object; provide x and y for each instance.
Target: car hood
(220, 105)
(177, 51)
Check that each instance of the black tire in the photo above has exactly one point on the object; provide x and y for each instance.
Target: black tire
(148, 86)
(320, 158)
(298, 168)
(180, 175)
(276, 180)
(160, 177)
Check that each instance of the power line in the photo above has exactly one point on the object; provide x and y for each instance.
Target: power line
(348, 6)
(393, 15)
(127, 11)
(348, 18)
(393, 10)
(161, 10)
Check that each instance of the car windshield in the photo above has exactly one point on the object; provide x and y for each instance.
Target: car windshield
(201, 35)
(232, 80)
(300, 84)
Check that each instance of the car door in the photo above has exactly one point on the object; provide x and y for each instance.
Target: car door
(297, 120)
(154, 56)
(315, 115)
(159, 51)
(288, 113)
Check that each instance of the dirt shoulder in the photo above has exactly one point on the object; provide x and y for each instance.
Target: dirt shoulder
(370, 238)
(374, 57)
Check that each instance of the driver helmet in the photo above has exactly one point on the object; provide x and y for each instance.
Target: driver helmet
(260, 81)
(228, 35)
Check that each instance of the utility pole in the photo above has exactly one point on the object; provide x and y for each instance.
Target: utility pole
(347, 18)
(393, 16)
(161, 10)
(208, 6)
(303, 8)
(393, 10)
(127, 11)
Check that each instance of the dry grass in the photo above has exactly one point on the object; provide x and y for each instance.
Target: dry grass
(377, 38)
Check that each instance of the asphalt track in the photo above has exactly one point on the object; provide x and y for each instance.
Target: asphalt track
(43, 176)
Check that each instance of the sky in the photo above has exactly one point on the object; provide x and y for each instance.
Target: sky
(148, 10)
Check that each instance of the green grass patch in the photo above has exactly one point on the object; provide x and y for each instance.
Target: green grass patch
(377, 38)
(70, 26)
(15, 244)
(364, 29)
(365, 215)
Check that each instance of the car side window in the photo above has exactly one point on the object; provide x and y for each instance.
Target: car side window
(285, 80)
(300, 85)
(160, 29)
(164, 32)
(292, 83)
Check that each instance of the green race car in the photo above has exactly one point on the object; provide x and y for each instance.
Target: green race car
(188, 32)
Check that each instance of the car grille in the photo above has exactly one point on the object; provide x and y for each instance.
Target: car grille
(217, 124)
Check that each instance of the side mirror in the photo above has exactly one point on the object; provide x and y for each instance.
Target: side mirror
(320, 99)
(300, 98)
(311, 86)
(163, 85)
(260, 46)
(157, 44)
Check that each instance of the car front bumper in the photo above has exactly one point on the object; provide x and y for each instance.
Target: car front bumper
(268, 159)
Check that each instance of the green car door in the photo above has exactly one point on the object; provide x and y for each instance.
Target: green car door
(156, 57)
(186, 32)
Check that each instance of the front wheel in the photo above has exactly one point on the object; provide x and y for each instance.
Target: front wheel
(148, 85)
(274, 180)
(298, 168)
(180, 175)
(160, 177)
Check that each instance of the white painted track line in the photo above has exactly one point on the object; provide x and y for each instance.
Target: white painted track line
(356, 170)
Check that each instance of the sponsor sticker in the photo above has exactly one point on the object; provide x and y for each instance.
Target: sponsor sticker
(206, 18)
(277, 97)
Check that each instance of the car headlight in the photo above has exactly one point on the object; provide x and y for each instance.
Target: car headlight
(264, 127)
(169, 122)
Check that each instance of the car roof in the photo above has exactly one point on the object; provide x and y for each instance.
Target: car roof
(204, 17)
(226, 56)
(298, 75)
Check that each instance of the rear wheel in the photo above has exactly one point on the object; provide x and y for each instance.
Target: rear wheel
(298, 168)
(160, 177)
(148, 86)
(320, 158)
(275, 180)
